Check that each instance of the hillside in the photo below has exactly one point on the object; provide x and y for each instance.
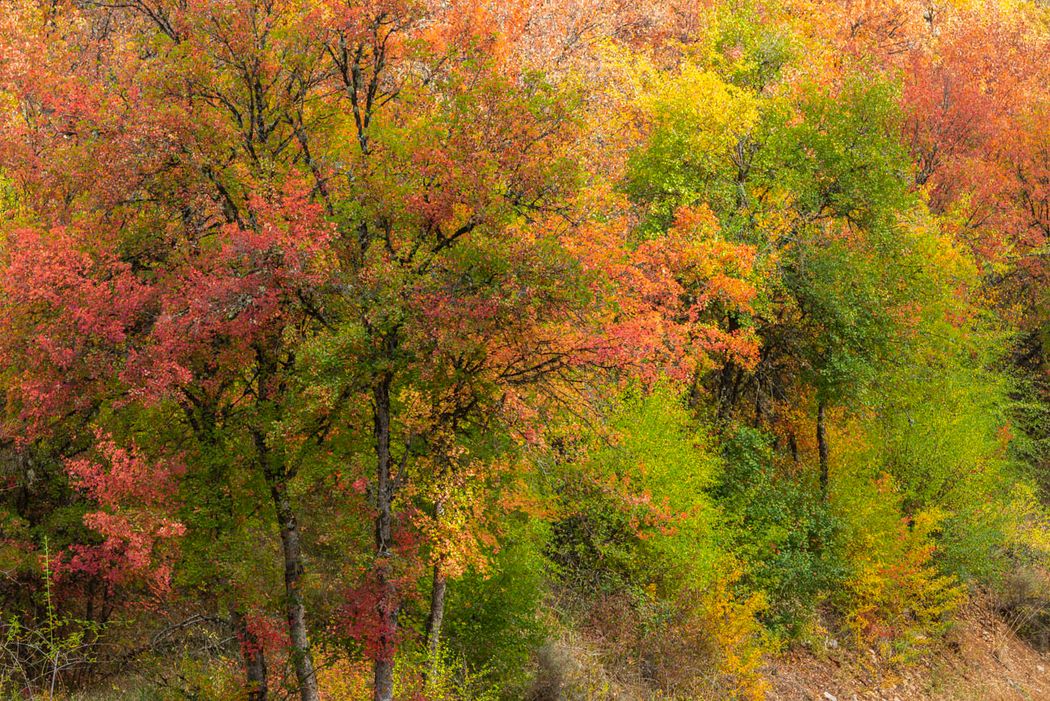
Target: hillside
(504, 350)
(980, 659)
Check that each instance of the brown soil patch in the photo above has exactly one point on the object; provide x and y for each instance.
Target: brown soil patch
(981, 660)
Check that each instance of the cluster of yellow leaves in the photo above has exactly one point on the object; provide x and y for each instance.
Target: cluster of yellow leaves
(460, 533)
(711, 113)
(899, 602)
(343, 680)
(461, 530)
(1029, 523)
(739, 637)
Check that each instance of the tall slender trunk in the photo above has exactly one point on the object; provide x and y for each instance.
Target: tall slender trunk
(291, 548)
(388, 608)
(275, 473)
(437, 614)
(437, 601)
(295, 609)
(822, 450)
(384, 679)
(254, 658)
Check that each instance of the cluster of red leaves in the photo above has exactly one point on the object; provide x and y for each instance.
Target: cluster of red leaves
(368, 614)
(264, 634)
(135, 499)
(976, 101)
(68, 312)
(674, 297)
(367, 617)
(216, 307)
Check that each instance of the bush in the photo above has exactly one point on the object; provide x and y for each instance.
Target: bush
(702, 645)
(896, 599)
(1024, 603)
(493, 620)
(780, 531)
(652, 602)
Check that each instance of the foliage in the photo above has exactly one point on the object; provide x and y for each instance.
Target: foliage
(784, 538)
(481, 349)
(632, 516)
(496, 619)
(896, 598)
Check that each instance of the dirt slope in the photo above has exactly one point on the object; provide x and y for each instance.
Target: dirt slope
(982, 660)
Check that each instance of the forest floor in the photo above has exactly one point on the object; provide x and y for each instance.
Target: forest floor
(981, 660)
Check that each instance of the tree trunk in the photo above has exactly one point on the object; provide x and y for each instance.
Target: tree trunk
(384, 679)
(437, 601)
(302, 658)
(437, 615)
(254, 660)
(822, 451)
(387, 608)
(276, 475)
(291, 548)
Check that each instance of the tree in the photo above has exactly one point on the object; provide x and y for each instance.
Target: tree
(172, 279)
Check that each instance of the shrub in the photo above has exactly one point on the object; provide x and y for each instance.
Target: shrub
(780, 531)
(641, 572)
(895, 598)
(493, 621)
